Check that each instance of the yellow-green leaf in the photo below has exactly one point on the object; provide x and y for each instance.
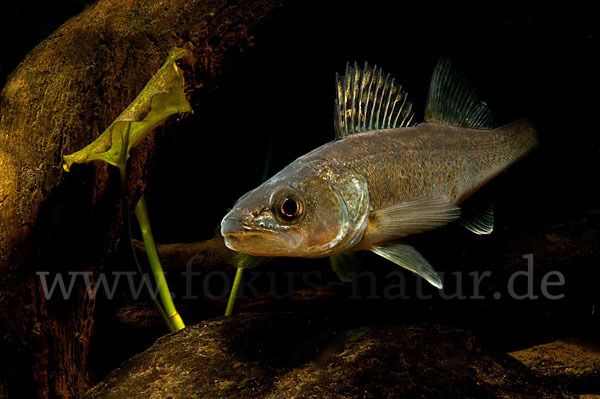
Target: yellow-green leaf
(162, 97)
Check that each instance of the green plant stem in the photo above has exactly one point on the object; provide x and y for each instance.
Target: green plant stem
(238, 274)
(126, 215)
(234, 290)
(141, 212)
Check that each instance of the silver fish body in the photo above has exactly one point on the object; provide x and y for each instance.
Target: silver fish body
(427, 160)
(370, 188)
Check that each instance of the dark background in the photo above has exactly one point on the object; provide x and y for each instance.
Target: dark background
(534, 59)
(525, 58)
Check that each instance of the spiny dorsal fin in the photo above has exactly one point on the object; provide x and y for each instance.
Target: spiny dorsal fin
(368, 99)
(452, 100)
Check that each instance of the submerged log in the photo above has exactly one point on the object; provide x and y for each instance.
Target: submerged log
(292, 356)
(65, 92)
(176, 257)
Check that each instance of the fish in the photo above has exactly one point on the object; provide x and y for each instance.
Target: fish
(384, 177)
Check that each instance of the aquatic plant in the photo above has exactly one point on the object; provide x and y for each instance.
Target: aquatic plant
(244, 261)
(162, 97)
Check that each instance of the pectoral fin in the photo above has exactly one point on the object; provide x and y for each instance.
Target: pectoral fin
(411, 217)
(409, 258)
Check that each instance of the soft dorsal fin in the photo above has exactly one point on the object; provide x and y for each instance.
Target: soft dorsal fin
(452, 100)
(368, 99)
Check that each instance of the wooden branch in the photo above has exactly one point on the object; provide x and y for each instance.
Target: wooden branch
(207, 254)
(65, 92)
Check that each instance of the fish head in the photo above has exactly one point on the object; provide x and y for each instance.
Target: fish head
(309, 209)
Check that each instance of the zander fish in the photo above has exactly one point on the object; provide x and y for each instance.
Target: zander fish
(384, 177)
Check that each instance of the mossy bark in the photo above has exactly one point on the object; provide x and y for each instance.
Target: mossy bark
(59, 99)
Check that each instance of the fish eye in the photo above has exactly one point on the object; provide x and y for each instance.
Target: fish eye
(288, 208)
(286, 205)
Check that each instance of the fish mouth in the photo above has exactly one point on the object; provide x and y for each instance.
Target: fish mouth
(253, 239)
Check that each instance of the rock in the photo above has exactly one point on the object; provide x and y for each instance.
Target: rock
(293, 356)
(573, 362)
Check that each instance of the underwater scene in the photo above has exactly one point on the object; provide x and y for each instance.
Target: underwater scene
(281, 199)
